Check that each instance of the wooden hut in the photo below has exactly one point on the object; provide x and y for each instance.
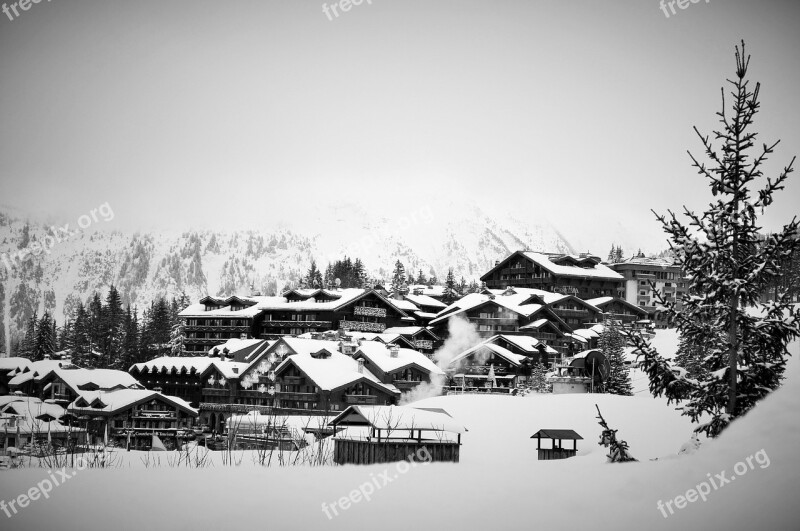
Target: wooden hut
(556, 451)
(385, 434)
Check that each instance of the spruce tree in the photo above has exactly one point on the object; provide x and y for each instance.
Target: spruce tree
(720, 251)
(27, 346)
(45, 342)
(177, 340)
(612, 344)
(450, 287)
(398, 278)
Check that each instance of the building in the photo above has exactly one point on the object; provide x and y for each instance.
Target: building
(640, 271)
(498, 364)
(296, 312)
(189, 378)
(619, 310)
(403, 368)
(583, 276)
(507, 313)
(321, 379)
(420, 338)
(131, 417)
(30, 421)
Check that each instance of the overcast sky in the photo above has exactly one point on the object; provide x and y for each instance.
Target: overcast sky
(232, 114)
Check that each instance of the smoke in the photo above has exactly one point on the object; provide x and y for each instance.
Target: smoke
(462, 335)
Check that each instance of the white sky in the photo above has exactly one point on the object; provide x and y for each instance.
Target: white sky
(242, 114)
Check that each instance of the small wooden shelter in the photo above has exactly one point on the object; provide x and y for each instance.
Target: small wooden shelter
(556, 451)
(385, 434)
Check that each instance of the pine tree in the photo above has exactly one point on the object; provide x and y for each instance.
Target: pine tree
(421, 278)
(612, 254)
(539, 381)
(474, 287)
(177, 340)
(618, 255)
(462, 287)
(398, 278)
(113, 317)
(450, 293)
(45, 342)
(313, 278)
(27, 347)
(612, 344)
(81, 342)
(720, 252)
(130, 340)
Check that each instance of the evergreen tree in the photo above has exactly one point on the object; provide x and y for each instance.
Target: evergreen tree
(313, 278)
(27, 346)
(612, 254)
(612, 343)
(398, 278)
(421, 278)
(45, 342)
(113, 317)
(177, 340)
(720, 252)
(450, 287)
(80, 343)
(462, 287)
(539, 381)
(618, 255)
(474, 287)
(159, 328)
(130, 340)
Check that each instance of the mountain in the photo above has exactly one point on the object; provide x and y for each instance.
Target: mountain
(144, 265)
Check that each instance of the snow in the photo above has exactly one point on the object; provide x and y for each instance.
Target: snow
(379, 354)
(598, 271)
(113, 401)
(499, 483)
(332, 372)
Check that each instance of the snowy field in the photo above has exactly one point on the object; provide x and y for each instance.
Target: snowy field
(499, 483)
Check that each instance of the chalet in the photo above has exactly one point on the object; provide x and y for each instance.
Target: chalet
(619, 309)
(29, 420)
(487, 367)
(425, 307)
(8, 368)
(583, 276)
(24, 378)
(296, 312)
(420, 337)
(319, 378)
(63, 385)
(404, 368)
(130, 417)
(187, 377)
(507, 313)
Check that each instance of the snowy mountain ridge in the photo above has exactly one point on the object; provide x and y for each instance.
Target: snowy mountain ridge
(145, 265)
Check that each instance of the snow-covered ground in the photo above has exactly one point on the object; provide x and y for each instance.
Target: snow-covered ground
(498, 484)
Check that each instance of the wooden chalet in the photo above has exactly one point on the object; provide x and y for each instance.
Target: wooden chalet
(130, 417)
(403, 368)
(619, 309)
(583, 276)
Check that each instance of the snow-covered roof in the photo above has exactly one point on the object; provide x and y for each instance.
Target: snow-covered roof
(14, 364)
(380, 355)
(503, 352)
(32, 407)
(430, 291)
(518, 302)
(111, 402)
(333, 372)
(198, 365)
(398, 418)
(592, 332)
(407, 330)
(526, 343)
(36, 369)
(425, 300)
(599, 301)
(405, 305)
(597, 271)
(102, 378)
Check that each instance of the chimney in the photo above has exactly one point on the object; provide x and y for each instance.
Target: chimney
(394, 351)
(361, 366)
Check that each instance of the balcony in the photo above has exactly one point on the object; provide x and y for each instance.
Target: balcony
(292, 380)
(423, 344)
(570, 313)
(364, 400)
(296, 324)
(358, 326)
(215, 328)
(510, 321)
(370, 312)
(303, 397)
(212, 391)
(406, 385)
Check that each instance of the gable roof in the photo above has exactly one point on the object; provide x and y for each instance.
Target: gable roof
(334, 372)
(602, 302)
(114, 401)
(380, 355)
(562, 265)
(398, 418)
(514, 359)
(557, 434)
